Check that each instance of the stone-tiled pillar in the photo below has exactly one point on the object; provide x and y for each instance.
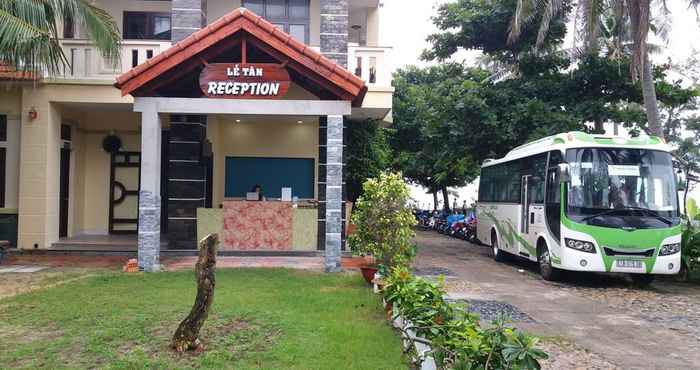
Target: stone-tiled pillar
(334, 30)
(149, 193)
(188, 17)
(334, 192)
(187, 181)
(322, 130)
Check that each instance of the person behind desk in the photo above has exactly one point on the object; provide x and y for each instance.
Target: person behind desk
(258, 189)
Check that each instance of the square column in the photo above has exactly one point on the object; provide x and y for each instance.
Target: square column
(188, 17)
(149, 192)
(334, 193)
(334, 30)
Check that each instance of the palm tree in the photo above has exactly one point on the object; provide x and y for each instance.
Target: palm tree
(632, 19)
(29, 36)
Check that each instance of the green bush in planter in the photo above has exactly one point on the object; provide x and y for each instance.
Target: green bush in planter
(383, 221)
(690, 247)
(457, 340)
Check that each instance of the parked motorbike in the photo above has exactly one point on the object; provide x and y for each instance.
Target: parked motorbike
(458, 229)
(470, 231)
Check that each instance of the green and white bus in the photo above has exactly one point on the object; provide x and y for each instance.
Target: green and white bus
(581, 202)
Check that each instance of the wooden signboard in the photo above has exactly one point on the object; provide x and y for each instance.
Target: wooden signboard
(244, 81)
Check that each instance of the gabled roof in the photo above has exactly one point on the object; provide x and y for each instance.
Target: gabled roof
(300, 56)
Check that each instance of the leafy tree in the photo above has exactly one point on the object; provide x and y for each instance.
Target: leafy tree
(598, 88)
(29, 36)
(426, 136)
(528, 35)
(484, 25)
(474, 114)
(619, 20)
(688, 154)
(367, 155)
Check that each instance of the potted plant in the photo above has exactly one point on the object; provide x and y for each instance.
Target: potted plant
(383, 225)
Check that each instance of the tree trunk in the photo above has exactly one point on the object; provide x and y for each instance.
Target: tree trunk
(685, 196)
(650, 103)
(186, 337)
(599, 127)
(435, 201)
(445, 199)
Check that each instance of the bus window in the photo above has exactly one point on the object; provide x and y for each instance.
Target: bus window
(537, 167)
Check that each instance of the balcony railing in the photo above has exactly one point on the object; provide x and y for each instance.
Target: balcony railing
(371, 63)
(87, 63)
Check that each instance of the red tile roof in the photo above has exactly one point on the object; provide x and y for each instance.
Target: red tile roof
(11, 73)
(228, 25)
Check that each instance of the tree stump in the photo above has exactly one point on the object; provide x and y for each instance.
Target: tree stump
(186, 337)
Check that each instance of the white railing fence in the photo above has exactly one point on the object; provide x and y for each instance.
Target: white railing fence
(87, 63)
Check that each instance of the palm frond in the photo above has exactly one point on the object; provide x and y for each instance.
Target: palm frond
(695, 4)
(28, 47)
(660, 24)
(29, 37)
(551, 10)
(524, 13)
(499, 71)
(100, 26)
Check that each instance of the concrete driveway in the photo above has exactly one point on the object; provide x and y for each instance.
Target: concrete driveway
(587, 320)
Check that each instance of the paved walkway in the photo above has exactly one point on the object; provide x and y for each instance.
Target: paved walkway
(20, 269)
(173, 263)
(304, 263)
(658, 328)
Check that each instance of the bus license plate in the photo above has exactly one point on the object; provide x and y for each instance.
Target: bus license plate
(629, 264)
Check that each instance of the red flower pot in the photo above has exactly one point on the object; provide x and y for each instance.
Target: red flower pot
(368, 273)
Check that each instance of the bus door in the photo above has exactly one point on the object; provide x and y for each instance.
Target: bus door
(526, 214)
(524, 205)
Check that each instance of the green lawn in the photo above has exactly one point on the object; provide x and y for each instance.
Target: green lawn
(261, 318)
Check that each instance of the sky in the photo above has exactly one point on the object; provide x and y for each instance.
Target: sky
(405, 24)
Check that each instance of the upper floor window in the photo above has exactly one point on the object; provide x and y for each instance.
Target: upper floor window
(146, 26)
(291, 16)
(68, 28)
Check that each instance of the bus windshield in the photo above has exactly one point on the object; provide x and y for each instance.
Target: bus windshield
(622, 188)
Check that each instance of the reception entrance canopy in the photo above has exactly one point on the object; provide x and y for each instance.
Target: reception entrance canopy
(235, 43)
(241, 65)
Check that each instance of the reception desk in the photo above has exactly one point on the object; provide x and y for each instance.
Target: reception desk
(261, 226)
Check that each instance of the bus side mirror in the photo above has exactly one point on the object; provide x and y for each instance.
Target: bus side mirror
(564, 172)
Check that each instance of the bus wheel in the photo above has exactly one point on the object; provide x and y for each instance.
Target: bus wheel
(498, 254)
(548, 272)
(642, 280)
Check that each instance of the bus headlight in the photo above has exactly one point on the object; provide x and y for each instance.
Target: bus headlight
(579, 245)
(668, 249)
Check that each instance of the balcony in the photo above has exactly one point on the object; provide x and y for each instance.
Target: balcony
(87, 63)
(371, 64)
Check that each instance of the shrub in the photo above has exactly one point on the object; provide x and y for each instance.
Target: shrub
(456, 339)
(691, 209)
(384, 222)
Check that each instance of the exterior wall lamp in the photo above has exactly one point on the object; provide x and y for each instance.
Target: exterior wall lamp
(33, 114)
